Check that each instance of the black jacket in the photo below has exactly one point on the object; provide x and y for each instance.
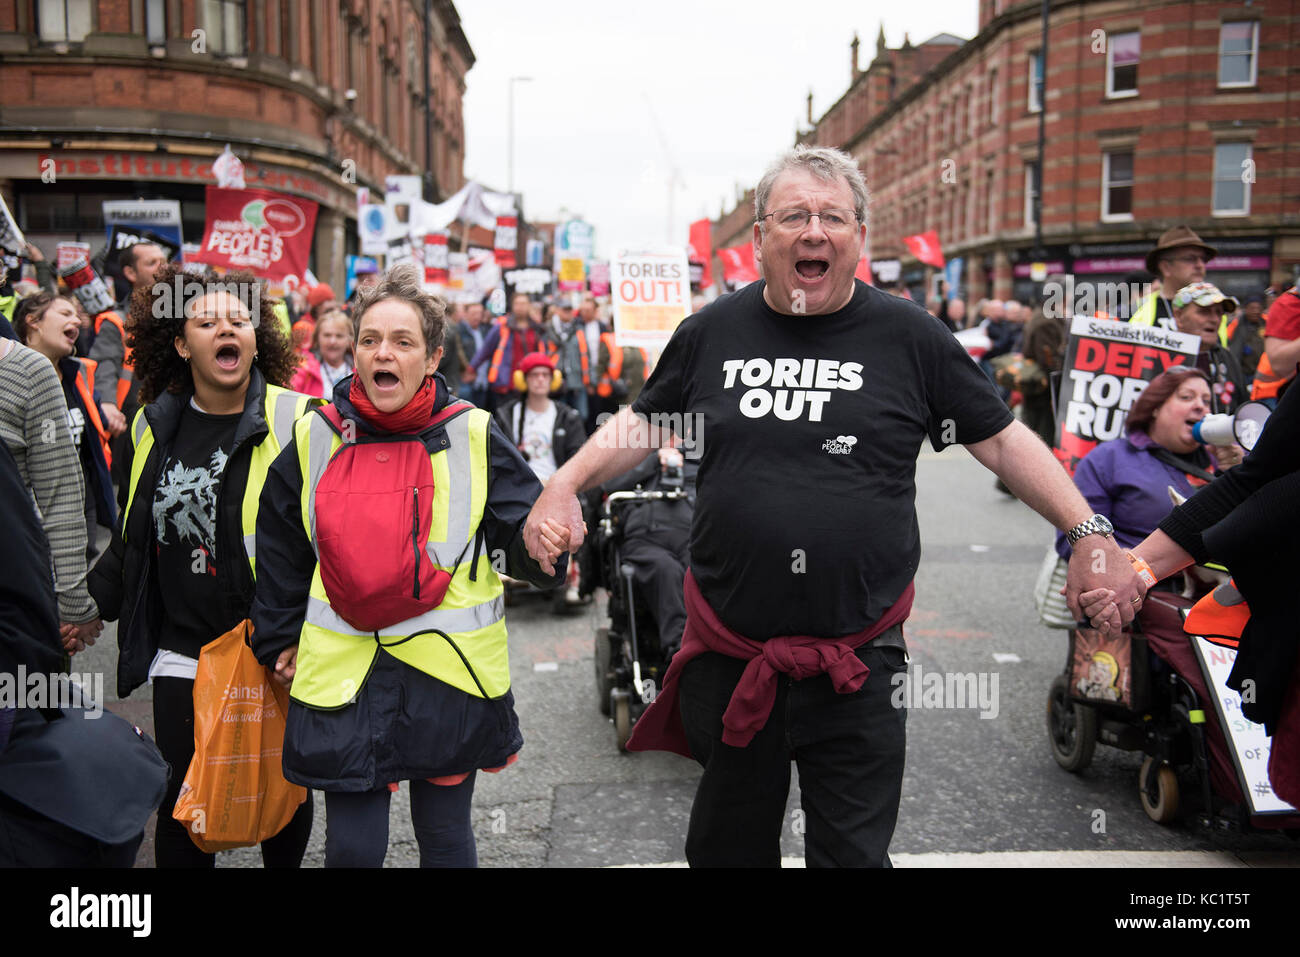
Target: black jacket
(566, 437)
(124, 582)
(1249, 519)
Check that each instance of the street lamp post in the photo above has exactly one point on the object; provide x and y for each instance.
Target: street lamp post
(510, 139)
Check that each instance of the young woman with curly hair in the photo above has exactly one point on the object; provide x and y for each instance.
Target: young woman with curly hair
(210, 358)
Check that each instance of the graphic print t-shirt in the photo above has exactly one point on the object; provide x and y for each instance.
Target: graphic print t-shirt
(185, 524)
(536, 441)
(805, 520)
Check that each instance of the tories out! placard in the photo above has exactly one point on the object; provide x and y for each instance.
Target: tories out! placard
(651, 291)
(1107, 366)
(267, 233)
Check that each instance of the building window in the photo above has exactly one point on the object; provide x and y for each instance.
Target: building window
(1234, 171)
(1122, 55)
(64, 21)
(1117, 186)
(1031, 192)
(972, 121)
(155, 22)
(223, 21)
(1238, 46)
(993, 97)
(989, 198)
(1035, 78)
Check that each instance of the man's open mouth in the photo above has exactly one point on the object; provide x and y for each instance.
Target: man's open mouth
(811, 269)
(228, 357)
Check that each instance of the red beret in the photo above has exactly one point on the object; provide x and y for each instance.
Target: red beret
(535, 359)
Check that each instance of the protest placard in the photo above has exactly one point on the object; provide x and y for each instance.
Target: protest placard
(1107, 366)
(651, 292)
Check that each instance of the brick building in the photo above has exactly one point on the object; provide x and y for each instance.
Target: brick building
(1158, 113)
(121, 99)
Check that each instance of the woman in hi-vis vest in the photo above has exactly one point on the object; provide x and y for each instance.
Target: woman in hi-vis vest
(209, 357)
(381, 536)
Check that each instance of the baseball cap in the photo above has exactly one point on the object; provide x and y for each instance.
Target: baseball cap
(1203, 294)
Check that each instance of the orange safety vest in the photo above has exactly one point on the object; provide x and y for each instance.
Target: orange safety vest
(615, 371)
(494, 370)
(85, 387)
(582, 356)
(127, 372)
(1267, 382)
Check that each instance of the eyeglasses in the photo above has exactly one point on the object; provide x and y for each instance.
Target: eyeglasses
(1189, 258)
(832, 220)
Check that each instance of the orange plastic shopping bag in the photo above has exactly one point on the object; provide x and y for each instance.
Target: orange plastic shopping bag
(234, 794)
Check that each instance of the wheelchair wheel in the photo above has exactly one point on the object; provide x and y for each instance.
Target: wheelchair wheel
(622, 707)
(1071, 727)
(1158, 788)
(604, 670)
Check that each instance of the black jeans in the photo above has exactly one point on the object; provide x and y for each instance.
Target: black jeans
(356, 825)
(849, 748)
(173, 723)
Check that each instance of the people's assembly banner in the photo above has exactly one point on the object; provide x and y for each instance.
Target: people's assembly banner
(505, 240)
(651, 292)
(267, 233)
(1107, 366)
(435, 259)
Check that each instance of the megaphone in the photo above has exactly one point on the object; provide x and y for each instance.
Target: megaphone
(1242, 428)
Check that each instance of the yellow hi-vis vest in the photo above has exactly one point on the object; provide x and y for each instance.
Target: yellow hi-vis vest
(281, 408)
(334, 659)
(1145, 315)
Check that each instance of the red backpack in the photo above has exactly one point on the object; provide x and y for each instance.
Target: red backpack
(374, 506)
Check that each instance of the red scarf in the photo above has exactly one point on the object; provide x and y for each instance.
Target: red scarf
(411, 417)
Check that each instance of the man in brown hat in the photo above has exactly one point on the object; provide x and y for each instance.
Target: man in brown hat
(1178, 260)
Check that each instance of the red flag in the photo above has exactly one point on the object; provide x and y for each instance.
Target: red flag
(267, 233)
(738, 263)
(925, 247)
(864, 269)
(699, 249)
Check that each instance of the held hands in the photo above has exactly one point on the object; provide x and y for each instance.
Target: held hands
(286, 666)
(75, 638)
(554, 526)
(1101, 585)
(114, 420)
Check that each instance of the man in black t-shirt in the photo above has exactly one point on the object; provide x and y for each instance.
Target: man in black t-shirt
(810, 393)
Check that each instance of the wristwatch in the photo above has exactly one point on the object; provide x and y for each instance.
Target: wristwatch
(1096, 525)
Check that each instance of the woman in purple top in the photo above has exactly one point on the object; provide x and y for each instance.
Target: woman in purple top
(1128, 479)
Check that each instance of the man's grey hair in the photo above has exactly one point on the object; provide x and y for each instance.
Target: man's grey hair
(823, 162)
(405, 283)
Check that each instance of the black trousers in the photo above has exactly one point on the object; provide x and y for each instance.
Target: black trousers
(849, 749)
(659, 572)
(356, 831)
(173, 722)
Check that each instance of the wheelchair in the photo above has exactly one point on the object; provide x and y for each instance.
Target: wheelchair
(629, 659)
(1162, 709)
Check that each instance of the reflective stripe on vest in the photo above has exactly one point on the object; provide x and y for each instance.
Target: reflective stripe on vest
(281, 408)
(334, 658)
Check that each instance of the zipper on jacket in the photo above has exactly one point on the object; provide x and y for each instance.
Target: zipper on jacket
(415, 534)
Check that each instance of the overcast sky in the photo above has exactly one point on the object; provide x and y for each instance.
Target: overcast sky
(725, 83)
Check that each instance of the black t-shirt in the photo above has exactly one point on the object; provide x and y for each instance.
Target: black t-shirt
(185, 530)
(805, 519)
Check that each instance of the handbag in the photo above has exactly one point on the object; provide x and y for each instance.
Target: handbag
(1052, 609)
(234, 793)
